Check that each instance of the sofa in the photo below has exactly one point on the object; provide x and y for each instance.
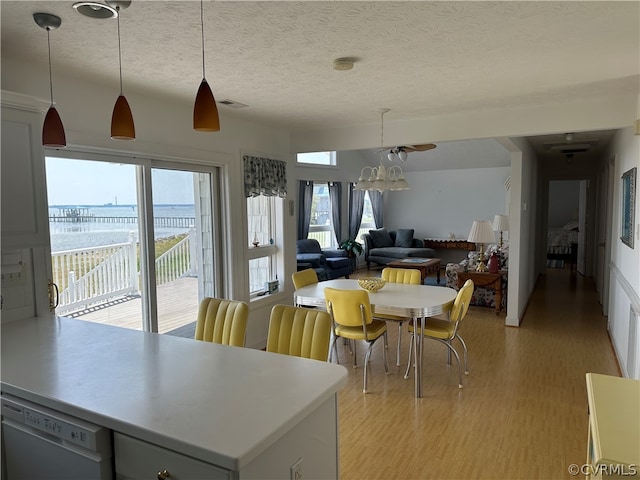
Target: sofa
(382, 246)
(484, 297)
(327, 263)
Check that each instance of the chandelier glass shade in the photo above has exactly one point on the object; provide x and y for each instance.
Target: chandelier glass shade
(381, 178)
(397, 154)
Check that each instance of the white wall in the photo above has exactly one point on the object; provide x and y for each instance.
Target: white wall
(444, 201)
(624, 298)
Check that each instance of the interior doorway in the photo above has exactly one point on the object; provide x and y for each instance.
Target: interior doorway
(567, 224)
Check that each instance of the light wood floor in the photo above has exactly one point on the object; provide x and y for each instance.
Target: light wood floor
(522, 413)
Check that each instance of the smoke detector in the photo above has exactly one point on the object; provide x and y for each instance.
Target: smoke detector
(345, 63)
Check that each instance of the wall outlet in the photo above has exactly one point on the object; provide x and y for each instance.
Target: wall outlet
(296, 470)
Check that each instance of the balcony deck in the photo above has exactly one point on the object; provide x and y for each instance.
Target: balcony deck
(177, 309)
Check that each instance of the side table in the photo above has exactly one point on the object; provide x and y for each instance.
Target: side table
(485, 279)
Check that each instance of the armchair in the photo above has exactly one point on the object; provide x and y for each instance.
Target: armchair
(327, 263)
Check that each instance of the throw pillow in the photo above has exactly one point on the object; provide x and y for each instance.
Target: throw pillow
(404, 237)
(381, 238)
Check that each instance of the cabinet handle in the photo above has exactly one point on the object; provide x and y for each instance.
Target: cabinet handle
(54, 299)
(163, 475)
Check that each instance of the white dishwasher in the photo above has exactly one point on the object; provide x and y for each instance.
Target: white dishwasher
(40, 443)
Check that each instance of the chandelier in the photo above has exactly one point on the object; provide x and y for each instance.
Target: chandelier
(381, 178)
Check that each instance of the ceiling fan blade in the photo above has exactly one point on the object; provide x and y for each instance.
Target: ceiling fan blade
(420, 148)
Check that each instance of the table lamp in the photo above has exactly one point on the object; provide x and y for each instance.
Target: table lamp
(500, 224)
(481, 232)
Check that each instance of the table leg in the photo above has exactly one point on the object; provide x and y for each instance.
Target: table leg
(418, 346)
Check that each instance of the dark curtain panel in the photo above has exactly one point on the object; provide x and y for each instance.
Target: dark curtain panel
(335, 196)
(376, 206)
(356, 206)
(305, 197)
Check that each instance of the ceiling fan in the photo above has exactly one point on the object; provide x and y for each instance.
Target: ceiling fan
(400, 152)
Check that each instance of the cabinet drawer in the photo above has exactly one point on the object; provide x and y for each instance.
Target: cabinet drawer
(136, 459)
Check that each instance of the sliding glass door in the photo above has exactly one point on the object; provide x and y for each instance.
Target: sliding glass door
(132, 243)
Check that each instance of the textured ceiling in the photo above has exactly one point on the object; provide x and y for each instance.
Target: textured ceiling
(418, 58)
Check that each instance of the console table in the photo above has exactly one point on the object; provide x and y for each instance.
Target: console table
(449, 244)
(485, 279)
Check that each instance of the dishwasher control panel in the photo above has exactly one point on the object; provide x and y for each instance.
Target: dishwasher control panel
(59, 425)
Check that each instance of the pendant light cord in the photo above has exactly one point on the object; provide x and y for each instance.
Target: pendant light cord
(202, 33)
(50, 74)
(382, 130)
(119, 50)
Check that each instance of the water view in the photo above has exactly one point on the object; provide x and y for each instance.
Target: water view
(70, 235)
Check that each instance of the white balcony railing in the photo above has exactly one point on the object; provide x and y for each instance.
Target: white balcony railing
(89, 277)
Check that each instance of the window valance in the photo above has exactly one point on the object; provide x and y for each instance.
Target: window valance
(264, 176)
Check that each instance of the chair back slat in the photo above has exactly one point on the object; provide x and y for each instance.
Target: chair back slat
(222, 321)
(409, 276)
(298, 331)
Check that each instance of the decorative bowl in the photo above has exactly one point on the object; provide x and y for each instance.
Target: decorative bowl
(371, 284)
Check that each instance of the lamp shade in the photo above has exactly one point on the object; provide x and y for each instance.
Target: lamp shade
(481, 232)
(205, 111)
(122, 126)
(52, 130)
(500, 223)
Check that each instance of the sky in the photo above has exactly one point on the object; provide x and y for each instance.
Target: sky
(83, 182)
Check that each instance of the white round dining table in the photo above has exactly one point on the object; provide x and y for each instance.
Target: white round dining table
(413, 301)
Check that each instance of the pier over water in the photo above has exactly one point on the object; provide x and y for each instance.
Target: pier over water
(82, 215)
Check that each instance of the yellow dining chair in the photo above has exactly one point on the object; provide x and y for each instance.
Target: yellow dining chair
(298, 331)
(444, 331)
(222, 321)
(407, 276)
(352, 318)
(304, 278)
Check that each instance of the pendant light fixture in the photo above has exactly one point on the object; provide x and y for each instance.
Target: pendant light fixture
(52, 129)
(381, 178)
(122, 126)
(205, 111)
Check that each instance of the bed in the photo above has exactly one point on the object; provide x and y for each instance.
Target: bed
(562, 246)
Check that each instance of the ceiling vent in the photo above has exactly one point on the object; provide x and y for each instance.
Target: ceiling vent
(232, 104)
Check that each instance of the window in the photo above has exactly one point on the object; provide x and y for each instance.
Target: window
(262, 220)
(320, 225)
(367, 218)
(318, 158)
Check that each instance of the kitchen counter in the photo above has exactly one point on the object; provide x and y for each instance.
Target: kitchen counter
(223, 405)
